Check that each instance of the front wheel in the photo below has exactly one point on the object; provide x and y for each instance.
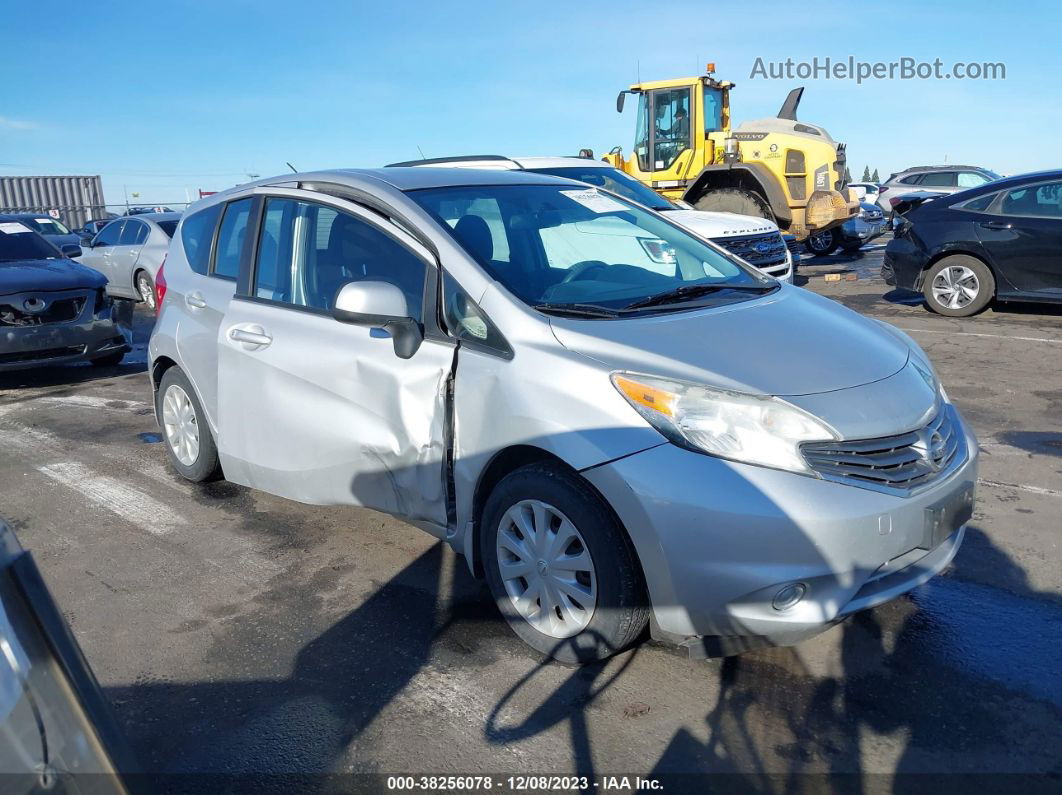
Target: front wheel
(958, 286)
(822, 243)
(734, 200)
(560, 568)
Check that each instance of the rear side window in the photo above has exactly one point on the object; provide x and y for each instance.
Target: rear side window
(134, 234)
(939, 179)
(911, 180)
(169, 227)
(978, 205)
(197, 233)
(230, 238)
(110, 234)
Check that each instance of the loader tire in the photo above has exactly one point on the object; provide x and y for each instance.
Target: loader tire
(734, 200)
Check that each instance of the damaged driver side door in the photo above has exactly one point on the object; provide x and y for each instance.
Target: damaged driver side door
(319, 410)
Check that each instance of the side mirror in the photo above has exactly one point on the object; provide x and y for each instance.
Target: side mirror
(71, 250)
(619, 101)
(379, 305)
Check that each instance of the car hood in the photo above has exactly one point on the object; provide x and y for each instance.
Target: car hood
(712, 225)
(47, 274)
(788, 343)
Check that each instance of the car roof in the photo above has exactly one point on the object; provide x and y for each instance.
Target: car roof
(945, 167)
(156, 217)
(501, 162)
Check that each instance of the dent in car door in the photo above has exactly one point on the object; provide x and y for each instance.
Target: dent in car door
(325, 412)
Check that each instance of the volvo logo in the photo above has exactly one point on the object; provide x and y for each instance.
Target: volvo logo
(34, 305)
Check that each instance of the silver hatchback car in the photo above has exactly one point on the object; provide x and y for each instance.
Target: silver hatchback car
(617, 423)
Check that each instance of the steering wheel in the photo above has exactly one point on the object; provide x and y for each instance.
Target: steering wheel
(580, 269)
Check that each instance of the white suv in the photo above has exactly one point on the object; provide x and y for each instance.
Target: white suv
(756, 240)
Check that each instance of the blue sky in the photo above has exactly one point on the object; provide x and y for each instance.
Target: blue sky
(164, 98)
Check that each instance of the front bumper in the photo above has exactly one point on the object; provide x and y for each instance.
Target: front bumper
(718, 540)
(92, 335)
(860, 231)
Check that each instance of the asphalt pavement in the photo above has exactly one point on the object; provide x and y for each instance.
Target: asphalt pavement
(237, 632)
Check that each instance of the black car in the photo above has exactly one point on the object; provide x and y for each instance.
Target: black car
(52, 309)
(999, 241)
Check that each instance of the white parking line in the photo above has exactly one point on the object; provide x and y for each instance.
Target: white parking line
(131, 504)
(978, 334)
(1020, 487)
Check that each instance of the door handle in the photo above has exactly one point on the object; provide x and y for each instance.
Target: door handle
(249, 337)
(996, 225)
(195, 301)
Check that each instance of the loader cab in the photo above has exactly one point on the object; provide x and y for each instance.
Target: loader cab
(674, 125)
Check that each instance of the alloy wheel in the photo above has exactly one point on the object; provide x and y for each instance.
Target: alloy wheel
(146, 290)
(820, 241)
(546, 569)
(181, 425)
(955, 287)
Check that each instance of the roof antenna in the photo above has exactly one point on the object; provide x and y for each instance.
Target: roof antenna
(638, 69)
(293, 169)
(422, 157)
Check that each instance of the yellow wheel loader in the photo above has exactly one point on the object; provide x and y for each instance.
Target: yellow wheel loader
(779, 168)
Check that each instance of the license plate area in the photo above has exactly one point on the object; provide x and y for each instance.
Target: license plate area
(947, 516)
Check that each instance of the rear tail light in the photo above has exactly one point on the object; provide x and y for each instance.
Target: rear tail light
(160, 286)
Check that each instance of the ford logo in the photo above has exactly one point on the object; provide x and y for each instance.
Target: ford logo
(761, 248)
(34, 305)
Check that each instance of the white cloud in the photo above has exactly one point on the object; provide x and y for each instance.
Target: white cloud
(17, 124)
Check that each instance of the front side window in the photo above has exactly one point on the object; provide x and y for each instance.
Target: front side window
(1040, 201)
(231, 238)
(110, 234)
(579, 247)
(671, 115)
(641, 134)
(466, 321)
(713, 109)
(971, 179)
(308, 251)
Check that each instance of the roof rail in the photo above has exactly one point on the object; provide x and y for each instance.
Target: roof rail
(427, 161)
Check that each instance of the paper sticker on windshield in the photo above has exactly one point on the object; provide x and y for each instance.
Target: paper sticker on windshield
(13, 228)
(594, 201)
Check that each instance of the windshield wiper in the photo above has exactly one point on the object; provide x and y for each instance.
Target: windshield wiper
(688, 291)
(577, 310)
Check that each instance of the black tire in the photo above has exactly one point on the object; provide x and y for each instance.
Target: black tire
(622, 608)
(851, 248)
(734, 200)
(205, 466)
(110, 360)
(822, 244)
(984, 283)
(141, 281)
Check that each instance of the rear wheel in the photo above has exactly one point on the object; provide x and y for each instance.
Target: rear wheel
(189, 444)
(562, 571)
(145, 288)
(822, 243)
(734, 200)
(958, 286)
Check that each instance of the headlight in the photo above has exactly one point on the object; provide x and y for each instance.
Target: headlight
(760, 430)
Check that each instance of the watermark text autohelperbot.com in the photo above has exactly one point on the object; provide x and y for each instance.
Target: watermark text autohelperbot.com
(861, 71)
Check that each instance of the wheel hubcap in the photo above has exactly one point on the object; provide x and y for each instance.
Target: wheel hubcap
(821, 241)
(179, 422)
(955, 287)
(546, 569)
(146, 292)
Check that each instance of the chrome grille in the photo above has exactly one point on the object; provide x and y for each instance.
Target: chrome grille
(893, 463)
(761, 250)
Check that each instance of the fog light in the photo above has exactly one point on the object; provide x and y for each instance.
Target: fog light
(789, 596)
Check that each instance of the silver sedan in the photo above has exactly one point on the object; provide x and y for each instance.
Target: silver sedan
(129, 251)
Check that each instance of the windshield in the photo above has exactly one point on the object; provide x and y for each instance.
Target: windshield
(46, 226)
(611, 179)
(552, 245)
(19, 242)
